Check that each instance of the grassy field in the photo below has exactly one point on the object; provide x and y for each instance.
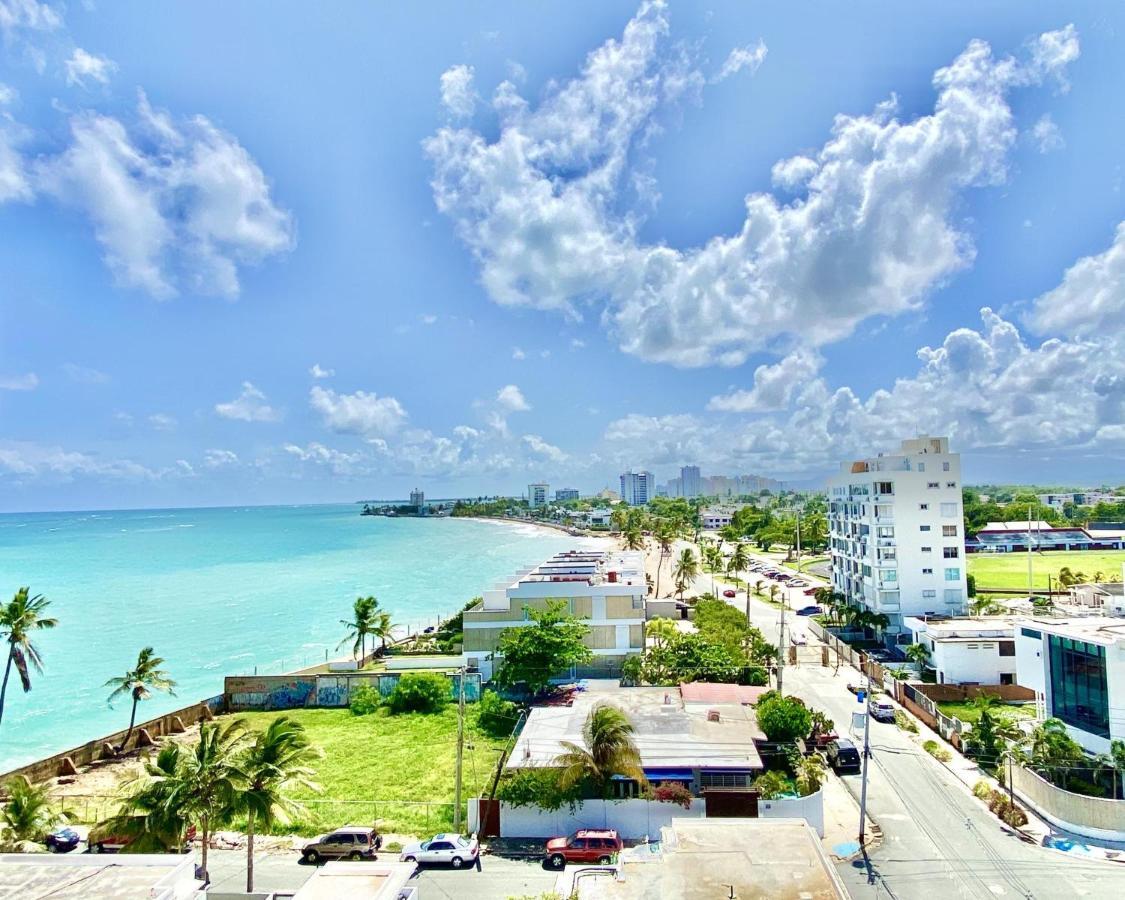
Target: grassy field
(393, 771)
(1008, 571)
(970, 714)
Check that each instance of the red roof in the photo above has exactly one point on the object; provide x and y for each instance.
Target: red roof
(706, 692)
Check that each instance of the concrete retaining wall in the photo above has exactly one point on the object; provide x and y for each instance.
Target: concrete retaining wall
(1093, 817)
(632, 819)
(244, 693)
(810, 808)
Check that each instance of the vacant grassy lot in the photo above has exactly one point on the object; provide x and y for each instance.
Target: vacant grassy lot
(393, 771)
(1009, 570)
(970, 714)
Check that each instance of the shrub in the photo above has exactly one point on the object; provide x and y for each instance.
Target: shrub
(937, 752)
(672, 792)
(982, 790)
(496, 715)
(365, 700)
(903, 721)
(419, 692)
(783, 718)
(772, 784)
(1014, 816)
(538, 787)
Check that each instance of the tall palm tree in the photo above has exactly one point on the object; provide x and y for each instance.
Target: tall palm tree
(139, 682)
(664, 537)
(685, 570)
(277, 759)
(152, 809)
(739, 560)
(610, 749)
(18, 621)
(27, 815)
(382, 628)
(633, 539)
(918, 653)
(364, 611)
(713, 561)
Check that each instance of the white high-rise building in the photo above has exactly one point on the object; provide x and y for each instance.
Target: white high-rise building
(538, 494)
(417, 498)
(896, 531)
(691, 485)
(637, 488)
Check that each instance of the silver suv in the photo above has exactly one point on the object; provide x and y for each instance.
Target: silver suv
(349, 842)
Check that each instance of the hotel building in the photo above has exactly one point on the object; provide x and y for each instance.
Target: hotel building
(606, 590)
(637, 488)
(538, 494)
(896, 532)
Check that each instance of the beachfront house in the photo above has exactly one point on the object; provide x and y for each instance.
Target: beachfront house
(605, 589)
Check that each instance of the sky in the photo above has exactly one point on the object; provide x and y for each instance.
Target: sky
(274, 253)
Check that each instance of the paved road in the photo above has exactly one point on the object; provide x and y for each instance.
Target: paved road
(939, 843)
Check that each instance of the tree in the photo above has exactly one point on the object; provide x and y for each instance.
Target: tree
(810, 774)
(26, 815)
(664, 535)
(277, 759)
(152, 811)
(918, 653)
(359, 626)
(533, 654)
(661, 630)
(738, 562)
(382, 628)
(609, 750)
(713, 557)
(633, 539)
(983, 606)
(771, 785)
(139, 682)
(19, 620)
(685, 570)
(783, 719)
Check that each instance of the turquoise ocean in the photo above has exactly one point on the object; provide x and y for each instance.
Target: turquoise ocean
(219, 592)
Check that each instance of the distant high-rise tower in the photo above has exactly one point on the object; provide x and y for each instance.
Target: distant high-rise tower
(417, 499)
(637, 488)
(538, 494)
(690, 481)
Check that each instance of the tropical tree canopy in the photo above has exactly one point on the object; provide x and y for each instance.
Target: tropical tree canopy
(533, 654)
(19, 620)
(609, 749)
(27, 815)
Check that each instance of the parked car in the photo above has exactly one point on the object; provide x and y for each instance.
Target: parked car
(798, 582)
(729, 594)
(62, 840)
(798, 640)
(443, 849)
(103, 839)
(584, 846)
(882, 710)
(811, 592)
(842, 756)
(349, 842)
(813, 610)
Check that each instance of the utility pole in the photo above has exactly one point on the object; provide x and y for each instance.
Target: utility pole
(1030, 591)
(460, 750)
(866, 701)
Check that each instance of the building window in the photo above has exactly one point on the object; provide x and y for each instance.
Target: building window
(1078, 684)
(638, 603)
(953, 596)
(1007, 648)
(927, 571)
(949, 531)
(723, 779)
(951, 484)
(933, 484)
(923, 527)
(945, 467)
(929, 594)
(1031, 633)
(950, 552)
(1007, 678)
(923, 506)
(949, 510)
(952, 574)
(921, 467)
(884, 487)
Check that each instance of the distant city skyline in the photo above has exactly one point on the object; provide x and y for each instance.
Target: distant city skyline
(469, 251)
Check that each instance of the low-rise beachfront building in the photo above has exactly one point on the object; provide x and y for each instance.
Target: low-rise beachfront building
(564, 494)
(717, 517)
(966, 650)
(607, 590)
(1077, 669)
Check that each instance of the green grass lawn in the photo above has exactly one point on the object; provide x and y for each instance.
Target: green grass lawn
(970, 714)
(392, 771)
(1008, 571)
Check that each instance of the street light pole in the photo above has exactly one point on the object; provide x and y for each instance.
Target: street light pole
(460, 750)
(866, 700)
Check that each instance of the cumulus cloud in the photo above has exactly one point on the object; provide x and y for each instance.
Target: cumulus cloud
(84, 67)
(774, 385)
(518, 354)
(338, 461)
(27, 14)
(219, 459)
(29, 381)
(176, 206)
(361, 413)
(873, 231)
(15, 183)
(163, 422)
(511, 398)
(1046, 135)
(540, 447)
(251, 405)
(317, 372)
(1090, 300)
(25, 460)
(749, 57)
(457, 92)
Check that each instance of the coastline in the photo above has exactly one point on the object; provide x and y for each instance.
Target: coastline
(568, 530)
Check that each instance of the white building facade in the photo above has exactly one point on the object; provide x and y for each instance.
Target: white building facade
(538, 494)
(968, 651)
(637, 488)
(896, 532)
(691, 482)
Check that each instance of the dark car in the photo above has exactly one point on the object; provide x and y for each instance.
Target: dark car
(811, 592)
(62, 840)
(729, 594)
(813, 610)
(843, 756)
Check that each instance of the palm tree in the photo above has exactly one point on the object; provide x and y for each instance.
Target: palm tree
(739, 560)
(810, 774)
(382, 628)
(774, 590)
(140, 682)
(359, 626)
(609, 750)
(661, 629)
(713, 559)
(278, 758)
(918, 653)
(633, 539)
(664, 537)
(983, 606)
(151, 812)
(685, 570)
(18, 621)
(26, 815)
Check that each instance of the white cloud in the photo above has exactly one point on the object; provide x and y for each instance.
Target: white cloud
(511, 398)
(85, 374)
(14, 181)
(7, 94)
(338, 461)
(360, 413)
(28, 14)
(774, 385)
(457, 92)
(518, 354)
(749, 57)
(317, 372)
(163, 422)
(83, 67)
(875, 230)
(219, 459)
(1090, 301)
(794, 173)
(1046, 134)
(669, 440)
(250, 405)
(26, 382)
(1053, 51)
(540, 447)
(428, 319)
(175, 206)
(25, 460)
(577, 343)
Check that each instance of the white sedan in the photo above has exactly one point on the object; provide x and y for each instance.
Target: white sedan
(446, 849)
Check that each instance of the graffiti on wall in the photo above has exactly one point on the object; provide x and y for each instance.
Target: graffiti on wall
(266, 692)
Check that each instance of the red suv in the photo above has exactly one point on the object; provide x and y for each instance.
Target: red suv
(585, 846)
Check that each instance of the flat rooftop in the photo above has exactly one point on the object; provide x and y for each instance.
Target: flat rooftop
(670, 735)
(1105, 630)
(356, 881)
(702, 859)
(81, 877)
(964, 627)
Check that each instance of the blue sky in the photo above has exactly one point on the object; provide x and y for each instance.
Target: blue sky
(263, 253)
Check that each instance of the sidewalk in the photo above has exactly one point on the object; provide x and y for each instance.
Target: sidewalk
(841, 822)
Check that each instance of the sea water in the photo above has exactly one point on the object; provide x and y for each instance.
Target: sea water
(222, 592)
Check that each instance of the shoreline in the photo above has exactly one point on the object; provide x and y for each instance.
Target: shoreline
(551, 526)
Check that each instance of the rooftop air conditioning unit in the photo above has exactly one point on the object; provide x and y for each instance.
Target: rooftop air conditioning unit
(712, 715)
